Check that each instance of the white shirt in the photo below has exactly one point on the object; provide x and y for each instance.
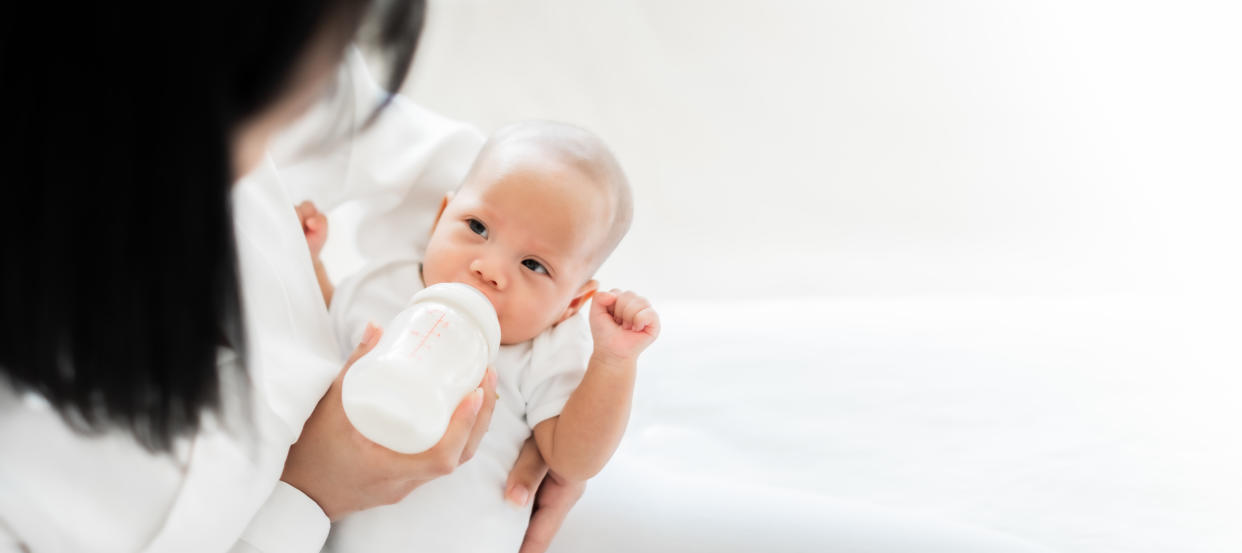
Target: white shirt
(464, 511)
(219, 491)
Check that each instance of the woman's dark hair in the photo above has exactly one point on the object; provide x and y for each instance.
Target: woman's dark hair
(119, 283)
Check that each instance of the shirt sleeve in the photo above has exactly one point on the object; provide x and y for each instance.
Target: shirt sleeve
(373, 294)
(390, 173)
(558, 361)
(289, 522)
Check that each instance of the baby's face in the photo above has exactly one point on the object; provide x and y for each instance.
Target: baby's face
(526, 236)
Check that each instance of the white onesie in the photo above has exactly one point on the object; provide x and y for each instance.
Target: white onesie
(464, 511)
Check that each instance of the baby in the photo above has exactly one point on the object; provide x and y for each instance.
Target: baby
(542, 207)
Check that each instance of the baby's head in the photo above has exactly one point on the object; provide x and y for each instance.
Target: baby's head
(542, 207)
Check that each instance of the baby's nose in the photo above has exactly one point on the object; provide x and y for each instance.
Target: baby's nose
(488, 273)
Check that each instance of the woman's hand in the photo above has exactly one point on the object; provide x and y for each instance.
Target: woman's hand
(555, 497)
(344, 472)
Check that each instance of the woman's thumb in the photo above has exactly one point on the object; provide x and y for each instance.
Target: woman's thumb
(370, 337)
(527, 474)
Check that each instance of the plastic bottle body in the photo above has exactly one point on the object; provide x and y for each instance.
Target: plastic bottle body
(402, 393)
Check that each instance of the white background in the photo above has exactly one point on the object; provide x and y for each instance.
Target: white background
(881, 148)
(994, 245)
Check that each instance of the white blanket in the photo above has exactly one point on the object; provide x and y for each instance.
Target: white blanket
(1083, 425)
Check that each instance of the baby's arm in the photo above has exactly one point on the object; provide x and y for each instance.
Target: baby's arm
(577, 443)
(315, 227)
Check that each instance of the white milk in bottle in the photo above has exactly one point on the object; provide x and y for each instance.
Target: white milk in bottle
(403, 392)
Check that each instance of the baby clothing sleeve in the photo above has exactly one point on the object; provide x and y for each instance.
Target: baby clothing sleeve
(558, 362)
(373, 294)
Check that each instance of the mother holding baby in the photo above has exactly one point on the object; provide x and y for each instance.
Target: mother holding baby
(170, 373)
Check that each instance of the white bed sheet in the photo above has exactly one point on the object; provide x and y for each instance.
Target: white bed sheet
(1088, 425)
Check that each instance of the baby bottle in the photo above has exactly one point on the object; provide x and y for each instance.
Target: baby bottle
(403, 392)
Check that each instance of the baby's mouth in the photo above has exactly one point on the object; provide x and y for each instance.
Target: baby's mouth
(474, 283)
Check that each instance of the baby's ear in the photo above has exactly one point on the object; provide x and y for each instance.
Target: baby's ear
(580, 299)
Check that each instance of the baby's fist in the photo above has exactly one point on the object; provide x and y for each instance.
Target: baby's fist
(314, 226)
(623, 323)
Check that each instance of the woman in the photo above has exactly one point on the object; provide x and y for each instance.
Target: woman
(160, 350)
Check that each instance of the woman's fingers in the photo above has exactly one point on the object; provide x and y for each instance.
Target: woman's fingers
(462, 428)
(527, 474)
(370, 337)
(484, 419)
(556, 496)
(448, 450)
(344, 472)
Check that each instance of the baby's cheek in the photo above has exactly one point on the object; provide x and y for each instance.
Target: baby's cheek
(519, 323)
(434, 268)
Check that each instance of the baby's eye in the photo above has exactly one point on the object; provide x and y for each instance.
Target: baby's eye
(477, 227)
(534, 266)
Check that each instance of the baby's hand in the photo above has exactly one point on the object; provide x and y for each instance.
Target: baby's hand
(314, 226)
(623, 323)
